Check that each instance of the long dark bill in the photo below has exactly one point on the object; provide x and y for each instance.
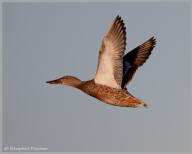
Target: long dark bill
(58, 81)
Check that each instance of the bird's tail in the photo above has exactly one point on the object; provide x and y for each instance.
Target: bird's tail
(137, 103)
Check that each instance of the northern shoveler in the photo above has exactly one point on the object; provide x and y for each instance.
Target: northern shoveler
(115, 70)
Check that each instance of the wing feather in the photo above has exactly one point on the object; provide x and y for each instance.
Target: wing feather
(136, 58)
(110, 63)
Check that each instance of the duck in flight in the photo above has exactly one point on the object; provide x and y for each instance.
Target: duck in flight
(115, 70)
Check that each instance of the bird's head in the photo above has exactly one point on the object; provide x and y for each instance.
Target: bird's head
(67, 80)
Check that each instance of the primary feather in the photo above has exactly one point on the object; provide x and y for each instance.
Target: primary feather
(110, 64)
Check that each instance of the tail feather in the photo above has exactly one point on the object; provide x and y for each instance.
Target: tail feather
(138, 103)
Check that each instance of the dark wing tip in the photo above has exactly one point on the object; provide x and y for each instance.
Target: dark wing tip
(153, 41)
(118, 16)
(119, 19)
(119, 30)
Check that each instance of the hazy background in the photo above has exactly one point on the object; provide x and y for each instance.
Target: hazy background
(44, 41)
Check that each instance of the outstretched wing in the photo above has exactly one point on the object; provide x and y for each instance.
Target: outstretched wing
(136, 58)
(110, 64)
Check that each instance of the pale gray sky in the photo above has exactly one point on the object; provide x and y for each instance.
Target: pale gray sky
(44, 41)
